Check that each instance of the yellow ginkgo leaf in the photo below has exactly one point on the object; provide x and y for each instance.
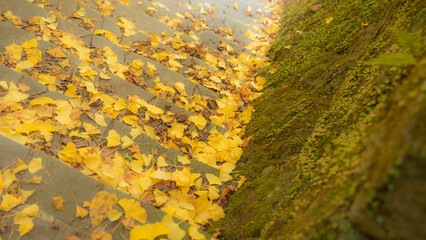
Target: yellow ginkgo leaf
(213, 179)
(151, 10)
(56, 53)
(90, 129)
(65, 63)
(183, 159)
(69, 153)
(135, 132)
(80, 212)
(161, 162)
(177, 130)
(42, 101)
(114, 215)
(58, 203)
(176, 233)
(149, 231)
(100, 119)
(113, 138)
(79, 14)
(31, 210)
(104, 76)
(19, 166)
(120, 105)
(127, 26)
(9, 201)
(108, 35)
(30, 44)
(26, 128)
(154, 110)
(25, 223)
(127, 142)
(155, 40)
(101, 205)
(133, 209)
(14, 95)
(100, 235)
(35, 165)
(159, 174)
(195, 234)
(199, 121)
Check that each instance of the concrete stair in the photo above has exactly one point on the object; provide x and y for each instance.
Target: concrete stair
(175, 104)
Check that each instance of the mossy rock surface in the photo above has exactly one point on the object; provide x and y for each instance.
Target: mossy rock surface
(338, 138)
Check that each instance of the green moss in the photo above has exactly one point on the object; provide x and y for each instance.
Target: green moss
(313, 138)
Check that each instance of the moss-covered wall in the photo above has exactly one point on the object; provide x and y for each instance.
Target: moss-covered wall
(338, 138)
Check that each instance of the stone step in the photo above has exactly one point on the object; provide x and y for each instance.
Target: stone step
(60, 180)
(224, 16)
(191, 191)
(164, 73)
(149, 144)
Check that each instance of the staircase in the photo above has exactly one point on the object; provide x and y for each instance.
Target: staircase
(125, 99)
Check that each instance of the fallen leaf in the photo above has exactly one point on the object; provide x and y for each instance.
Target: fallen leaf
(35, 165)
(58, 203)
(80, 212)
(133, 209)
(56, 53)
(101, 205)
(149, 231)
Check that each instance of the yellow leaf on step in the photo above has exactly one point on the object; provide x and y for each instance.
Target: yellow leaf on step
(30, 44)
(35, 165)
(149, 231)
(199, 121)
(183, 159)
(42, 101)
(80, 212)
(127, 142)
(31, 210)
(19, 166)
(213, 179)
(58, 203)
(26, 128)
(176, 130)
(90, 129)
(133, 209)
(135, 132)
(101, 205)
(79, 14)
(151, 10)
(25, 223)
(236, 5)
(113, 138)
(65, 63)
(127, 26)
(104, 76)
(69, 153)
(195, 234)
(14, 95)
(56, 53)
(120, 105)
(100, 119)
(159, 174)
(161, 162)
(114, 215)
(176, 233)
(155, 40)
(154, 110)
(108, 35)
(9, 201)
